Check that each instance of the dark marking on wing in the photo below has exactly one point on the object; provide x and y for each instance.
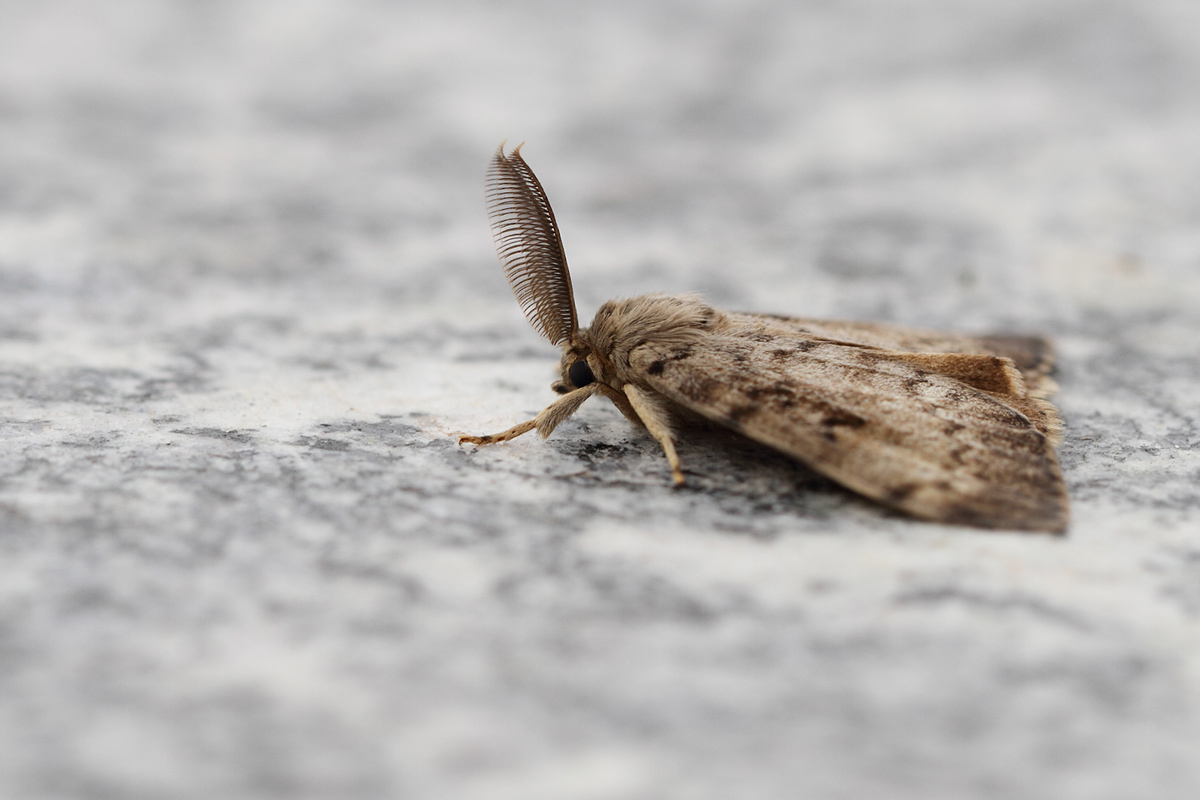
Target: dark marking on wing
(779, 394)
(740, 412)
(701, 389)
(840, 417)
(870, 357)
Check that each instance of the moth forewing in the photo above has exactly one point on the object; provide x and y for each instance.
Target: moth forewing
(918, 441)
(944, 427)
(1031, 355)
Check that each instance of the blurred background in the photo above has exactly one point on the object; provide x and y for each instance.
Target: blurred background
(821, 157)
(248, 296)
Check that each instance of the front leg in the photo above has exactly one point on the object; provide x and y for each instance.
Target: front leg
(492, 438)
(657, 419)
(545, 422)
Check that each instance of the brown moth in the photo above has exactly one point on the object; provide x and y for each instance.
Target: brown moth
(949, 428)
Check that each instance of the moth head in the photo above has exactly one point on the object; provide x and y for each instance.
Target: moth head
(575, 370)
(530, 247)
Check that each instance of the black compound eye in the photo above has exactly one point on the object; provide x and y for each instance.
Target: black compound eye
(580, 374)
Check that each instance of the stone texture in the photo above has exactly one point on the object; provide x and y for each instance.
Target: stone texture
(249, 297)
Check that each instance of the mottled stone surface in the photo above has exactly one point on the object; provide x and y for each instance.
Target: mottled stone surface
(248, 297)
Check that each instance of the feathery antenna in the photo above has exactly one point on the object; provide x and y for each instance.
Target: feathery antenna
(529, 246)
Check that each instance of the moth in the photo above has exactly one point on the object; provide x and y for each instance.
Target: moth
(944, 427)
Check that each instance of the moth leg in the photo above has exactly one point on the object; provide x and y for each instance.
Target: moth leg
(545, 422)
(621, 402)
(658, 422)
(557, 412)
(511, 433)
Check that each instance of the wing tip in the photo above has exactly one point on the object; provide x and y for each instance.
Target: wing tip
(1034, 356)
(1024, 509)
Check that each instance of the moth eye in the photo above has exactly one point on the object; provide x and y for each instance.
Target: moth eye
(580, 374)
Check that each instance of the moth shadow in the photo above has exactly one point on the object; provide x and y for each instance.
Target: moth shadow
(748, 484)
(717, 460)
(741, 476)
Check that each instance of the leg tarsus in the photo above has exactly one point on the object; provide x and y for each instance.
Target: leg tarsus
(511, 433)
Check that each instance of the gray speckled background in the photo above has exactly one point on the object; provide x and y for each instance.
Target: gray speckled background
(248, 296)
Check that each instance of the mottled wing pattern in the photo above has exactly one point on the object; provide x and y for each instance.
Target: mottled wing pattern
(880, 422)
(1032, 355)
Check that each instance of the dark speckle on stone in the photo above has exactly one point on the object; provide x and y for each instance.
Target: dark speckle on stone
(330, 444)
(241, 437)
